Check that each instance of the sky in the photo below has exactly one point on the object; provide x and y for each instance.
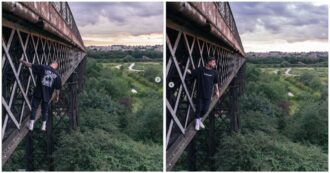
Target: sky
(124, 23)
(282, 26)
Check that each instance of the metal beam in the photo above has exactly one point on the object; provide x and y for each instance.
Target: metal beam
(189, 46)
(21, 38)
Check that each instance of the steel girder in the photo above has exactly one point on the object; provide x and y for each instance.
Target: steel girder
(35, 46)
(53, 17)
(187, 51)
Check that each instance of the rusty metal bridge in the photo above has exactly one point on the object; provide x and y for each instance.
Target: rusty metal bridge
(194, 32)
(38, 32)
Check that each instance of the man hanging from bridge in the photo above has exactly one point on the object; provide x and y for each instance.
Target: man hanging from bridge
(206, 77)
(48, 80)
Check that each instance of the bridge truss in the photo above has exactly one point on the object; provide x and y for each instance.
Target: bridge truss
(38, 32)
(196, 31)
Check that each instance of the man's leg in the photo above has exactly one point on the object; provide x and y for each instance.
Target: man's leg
(198, 112)
(44, 111)
(204, 109)
(34, 107)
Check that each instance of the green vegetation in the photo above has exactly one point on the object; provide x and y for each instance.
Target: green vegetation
(278, 132)
(127, 56)
(319, 61)
(119, 130)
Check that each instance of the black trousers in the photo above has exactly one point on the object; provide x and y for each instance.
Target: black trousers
(202, 106)
(44, 108)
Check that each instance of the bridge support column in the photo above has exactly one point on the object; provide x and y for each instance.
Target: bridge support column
(50, 139)
(236, 89)
(75, 86)
(211, 141)
(29, 152)
(191, 157)
(234, 105)
(73, 112)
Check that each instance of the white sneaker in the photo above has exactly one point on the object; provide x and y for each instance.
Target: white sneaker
(201, 123)
(196, 125)
(43, 127)
(30, 125)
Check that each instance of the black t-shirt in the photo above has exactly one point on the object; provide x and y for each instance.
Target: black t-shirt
(205, 81)
(47, 80)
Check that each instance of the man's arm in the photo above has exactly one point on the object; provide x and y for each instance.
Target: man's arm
(193, 73)
(217, 91)
(57, 87)
(57, 95)
(27, 64)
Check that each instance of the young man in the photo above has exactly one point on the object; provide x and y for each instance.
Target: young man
(206, 78)
(48, 80)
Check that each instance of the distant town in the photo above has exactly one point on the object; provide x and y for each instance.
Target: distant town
(278, 54)
(158, 48)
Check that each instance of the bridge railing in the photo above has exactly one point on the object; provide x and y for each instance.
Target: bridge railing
(64, 10)
(225, 11)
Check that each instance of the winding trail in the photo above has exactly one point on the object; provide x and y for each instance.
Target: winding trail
(287, 73)
(130, 68)
(118, 66)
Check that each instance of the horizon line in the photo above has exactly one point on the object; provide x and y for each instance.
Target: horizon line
(287, 52)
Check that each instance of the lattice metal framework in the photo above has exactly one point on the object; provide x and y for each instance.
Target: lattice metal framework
(21, 39)
(188, 45)
(187, 52)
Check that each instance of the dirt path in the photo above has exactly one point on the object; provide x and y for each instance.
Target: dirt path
(130, 68)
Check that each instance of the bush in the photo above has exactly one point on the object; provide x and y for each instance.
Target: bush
(257, 151)
(310, 124)
(98, 150)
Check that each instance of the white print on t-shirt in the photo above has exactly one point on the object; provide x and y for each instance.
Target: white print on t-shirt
(48, 78)
(208, 75)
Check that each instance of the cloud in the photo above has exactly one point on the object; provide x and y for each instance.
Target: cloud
(126, 39)
(289, 22)
(108, 19)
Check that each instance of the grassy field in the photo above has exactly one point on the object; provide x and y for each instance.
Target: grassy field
(322, 72)
(137, 80)
(291, 82)
(138, 65)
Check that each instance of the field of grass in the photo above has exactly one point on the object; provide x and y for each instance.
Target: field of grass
(322, 72)
(136, 79)
(291, 82)
(138, 65)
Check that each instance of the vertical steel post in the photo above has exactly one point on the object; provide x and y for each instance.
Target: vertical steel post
(73, 107)
(191, 158)
(211, 141)
(50, 139)
(29, 152)
(233, 105)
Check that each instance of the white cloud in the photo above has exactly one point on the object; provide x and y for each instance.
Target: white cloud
(107, 22)
(281, 26)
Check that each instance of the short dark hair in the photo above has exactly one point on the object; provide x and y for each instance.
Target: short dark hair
(210, 59)
(53, 61)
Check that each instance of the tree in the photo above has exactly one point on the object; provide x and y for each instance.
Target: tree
(98, 150)
(257, 151)
(310, 124)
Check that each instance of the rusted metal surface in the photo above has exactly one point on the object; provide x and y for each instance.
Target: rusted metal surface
(194, 32)
(216, 16)
(55, 17)
(22, 37)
